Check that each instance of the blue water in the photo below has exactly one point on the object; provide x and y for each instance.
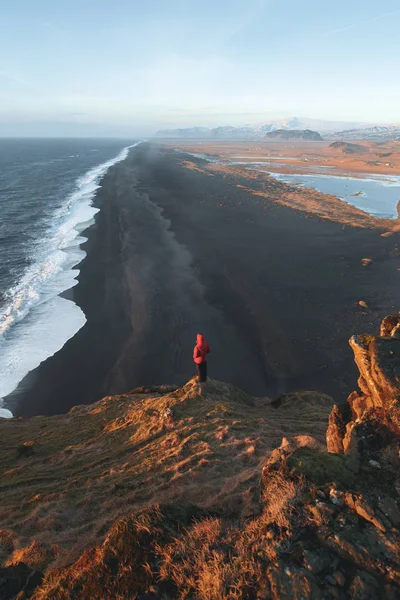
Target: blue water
(46, 193)
(377, 195)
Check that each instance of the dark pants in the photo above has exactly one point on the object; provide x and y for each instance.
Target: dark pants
(202, 371)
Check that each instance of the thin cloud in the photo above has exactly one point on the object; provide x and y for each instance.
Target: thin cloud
(359, 23)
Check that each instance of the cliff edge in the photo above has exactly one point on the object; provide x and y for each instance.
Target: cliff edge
(205, 492)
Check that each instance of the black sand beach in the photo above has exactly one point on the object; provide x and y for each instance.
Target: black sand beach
(175, 252)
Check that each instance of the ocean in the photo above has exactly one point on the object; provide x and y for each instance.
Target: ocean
(46, 192)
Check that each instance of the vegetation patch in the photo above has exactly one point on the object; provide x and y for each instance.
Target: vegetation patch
(321, 468)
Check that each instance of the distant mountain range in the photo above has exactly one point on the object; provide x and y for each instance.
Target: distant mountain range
(332, 129)
(375, 133)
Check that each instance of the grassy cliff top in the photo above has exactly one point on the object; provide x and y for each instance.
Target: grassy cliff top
(65, 479)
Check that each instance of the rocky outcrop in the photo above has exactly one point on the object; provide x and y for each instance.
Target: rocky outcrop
(367, 427)
(338, 420)
(365, 433)
(339, 533)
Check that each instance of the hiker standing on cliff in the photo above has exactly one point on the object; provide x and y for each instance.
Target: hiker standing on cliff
(201, 349)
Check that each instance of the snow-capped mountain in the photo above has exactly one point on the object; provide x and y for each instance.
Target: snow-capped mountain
(375, 133)
(335, 129)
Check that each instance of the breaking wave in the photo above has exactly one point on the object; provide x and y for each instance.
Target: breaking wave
(34, 321)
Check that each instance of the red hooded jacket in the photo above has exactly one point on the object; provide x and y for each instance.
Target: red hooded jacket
(201, 349)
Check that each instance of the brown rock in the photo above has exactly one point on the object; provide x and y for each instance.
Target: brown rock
(339, 578)
(364, 587)
(378, 360)
(366, 262)
(388, 324)
(322, 512)
(390, 509)
(316, 562)
(369, 421)
(368, 548)
(364, 510)
(336, 497)
(338, 420)
(351, 447)
(359, 404)
(288, 582)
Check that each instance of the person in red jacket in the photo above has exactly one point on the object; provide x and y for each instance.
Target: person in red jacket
(201, 349)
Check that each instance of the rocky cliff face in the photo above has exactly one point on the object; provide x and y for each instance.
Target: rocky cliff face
(367, 428)
(204, 492)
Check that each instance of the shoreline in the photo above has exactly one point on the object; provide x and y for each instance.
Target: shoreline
(74, 216)
(173, 251)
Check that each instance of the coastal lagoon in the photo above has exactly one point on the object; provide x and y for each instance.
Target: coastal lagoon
(377, 195)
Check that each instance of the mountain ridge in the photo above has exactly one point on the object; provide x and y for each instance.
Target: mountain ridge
(331, 129)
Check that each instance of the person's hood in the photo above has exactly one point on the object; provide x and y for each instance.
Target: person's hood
(200, 339)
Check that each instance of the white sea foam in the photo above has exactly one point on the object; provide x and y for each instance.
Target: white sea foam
(35, 322)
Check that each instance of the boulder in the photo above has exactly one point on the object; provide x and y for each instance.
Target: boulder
(366, 262)
(388, 324)
(338, 419)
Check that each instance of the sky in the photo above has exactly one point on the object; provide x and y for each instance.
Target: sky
(83, 67)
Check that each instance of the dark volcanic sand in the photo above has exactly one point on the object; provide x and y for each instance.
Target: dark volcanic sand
(174, 252)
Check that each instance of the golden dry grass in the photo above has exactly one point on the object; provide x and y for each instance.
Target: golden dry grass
(307, 200)
(300, 155)
(102, 461)
(267, 189)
